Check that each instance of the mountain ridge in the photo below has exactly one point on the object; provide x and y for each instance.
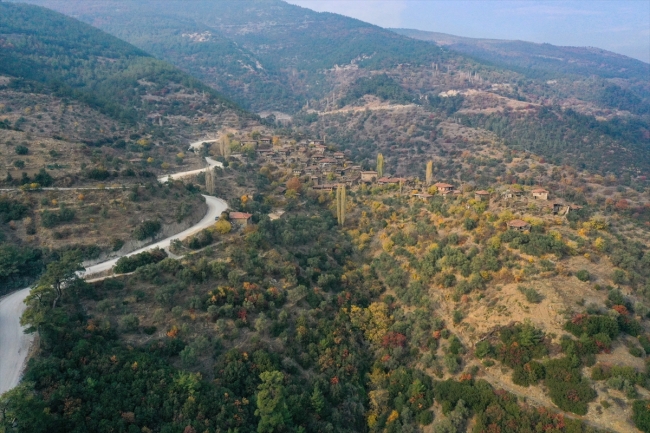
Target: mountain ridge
(506, 51)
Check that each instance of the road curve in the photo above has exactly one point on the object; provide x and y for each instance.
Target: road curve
(215, 207)
(15, 344)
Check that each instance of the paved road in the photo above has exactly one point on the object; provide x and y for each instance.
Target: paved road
(211, 163)
(215, 207)
(15, 344)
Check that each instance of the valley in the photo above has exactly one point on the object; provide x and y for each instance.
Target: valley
(418, 233)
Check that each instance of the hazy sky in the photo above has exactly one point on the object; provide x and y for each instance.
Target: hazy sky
(622, 26)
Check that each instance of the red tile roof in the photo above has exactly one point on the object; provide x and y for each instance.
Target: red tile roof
(239, 215)
(443, 185)
(540, 191)
(482, 192)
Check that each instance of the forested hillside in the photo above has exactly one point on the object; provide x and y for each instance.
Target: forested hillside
(424, 242)
(75, 60)
(263, 54)
(82, 109)
(271, 55)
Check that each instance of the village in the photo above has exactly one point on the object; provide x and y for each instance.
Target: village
(321, 167)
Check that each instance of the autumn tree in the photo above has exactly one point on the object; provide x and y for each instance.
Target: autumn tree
(294, 184)
(429, 177)
(340, 204)
(380, 165)
(222, 226)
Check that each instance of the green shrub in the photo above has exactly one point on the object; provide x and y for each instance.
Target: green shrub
(129, 323)
(532, 295)
(567, 388)
(641, 415)
(583, 275)
(529, 374)
(483, 349)
(112, 284)
(636, 351)
(131, 263)
(425, 417)
(11, 210)
(592, 325)
(146, 229)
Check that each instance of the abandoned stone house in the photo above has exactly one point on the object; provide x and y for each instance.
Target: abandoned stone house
(540, 194)
(519, 225)
(482, 195)
(510, 193)
(424, 196)
(368, 176)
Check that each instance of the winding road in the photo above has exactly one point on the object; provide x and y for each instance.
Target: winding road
(15, 344)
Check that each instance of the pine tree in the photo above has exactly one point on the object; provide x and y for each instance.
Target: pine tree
(271, 403)
(380, 165)
(429, 177)
(317, 400)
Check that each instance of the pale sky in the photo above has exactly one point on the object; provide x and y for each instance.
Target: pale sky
(622, 26)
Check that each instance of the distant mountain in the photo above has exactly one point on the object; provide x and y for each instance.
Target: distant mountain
(539, 60)
(262, 54)
(48, 52)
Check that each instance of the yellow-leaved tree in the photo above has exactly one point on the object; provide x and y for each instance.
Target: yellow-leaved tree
(223, 226)
(340, 204)
(429, 177)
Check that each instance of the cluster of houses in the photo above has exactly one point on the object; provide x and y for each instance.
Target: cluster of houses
(328, 169)
(325, 169)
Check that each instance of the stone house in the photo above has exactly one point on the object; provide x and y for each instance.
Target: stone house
(540, 194)
(368, 176)
(519, 225)
(424, 196)
(444, 188)
(482, 195)
(241, 218)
